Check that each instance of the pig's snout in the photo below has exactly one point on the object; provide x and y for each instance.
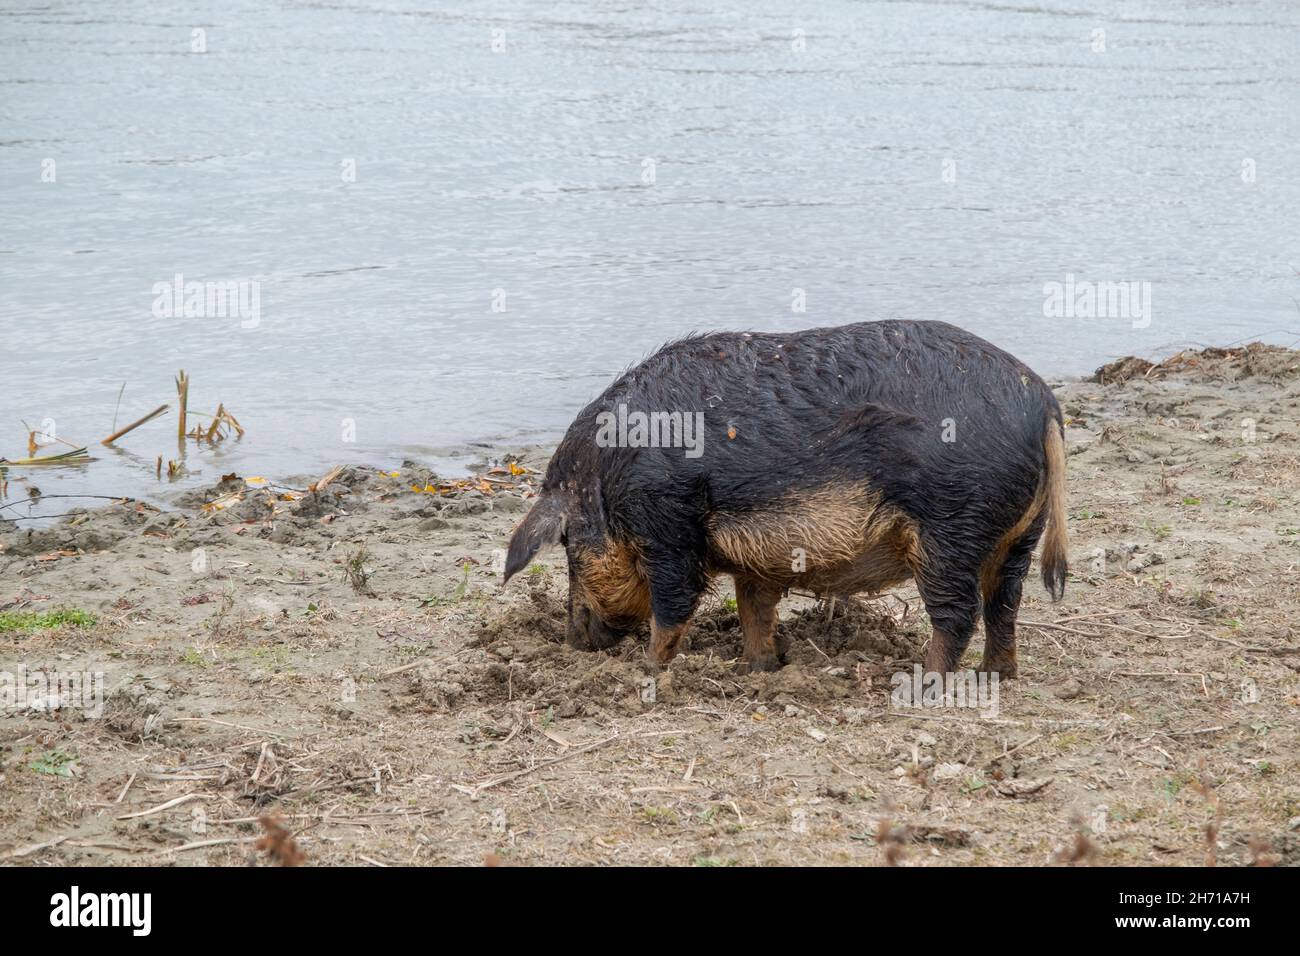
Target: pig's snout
(587, 632)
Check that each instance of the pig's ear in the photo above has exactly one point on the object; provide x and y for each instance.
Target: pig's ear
(544, 525)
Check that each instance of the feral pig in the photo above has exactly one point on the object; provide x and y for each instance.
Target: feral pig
(839, 460)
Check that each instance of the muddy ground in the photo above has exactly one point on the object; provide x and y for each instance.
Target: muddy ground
(345, 662)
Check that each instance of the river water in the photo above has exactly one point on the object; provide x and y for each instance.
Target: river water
(454, 223)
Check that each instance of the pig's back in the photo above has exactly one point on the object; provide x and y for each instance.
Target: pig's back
(921, 411)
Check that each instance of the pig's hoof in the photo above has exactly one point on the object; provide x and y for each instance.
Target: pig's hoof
(768, 662)
(1004, 667)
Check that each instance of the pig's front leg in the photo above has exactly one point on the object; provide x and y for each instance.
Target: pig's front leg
(676, 584)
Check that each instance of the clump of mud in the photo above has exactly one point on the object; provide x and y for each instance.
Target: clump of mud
(80, 530)
(544, 618)
(195, 498)
(544, 675)
(1255, 360)
(329, 501)
(1122, 370)
(527, 660)
(848, 629)
(132, 713)
(715, 631)
(281, 501)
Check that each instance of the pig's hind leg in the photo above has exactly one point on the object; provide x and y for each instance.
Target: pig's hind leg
(756, 604)
(950, 588)
(1002, 604)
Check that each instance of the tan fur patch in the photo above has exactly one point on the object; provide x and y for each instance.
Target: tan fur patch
(1055, 557)
(992, 565)
(838, 538)
(614, 584)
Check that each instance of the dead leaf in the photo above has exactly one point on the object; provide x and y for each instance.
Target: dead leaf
(278, 843)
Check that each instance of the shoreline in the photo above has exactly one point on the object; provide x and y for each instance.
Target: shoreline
(349, 654)
(458, 459)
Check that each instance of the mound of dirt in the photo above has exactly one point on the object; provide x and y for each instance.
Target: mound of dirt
(80, 530)
(131, 712)
(849, 629)
(544, 675)
(846, 628)
(715, 631)
(520, 655)
(544, 618)
(1256, 360)
(196, 498)
(1122, 370)
(845, 631)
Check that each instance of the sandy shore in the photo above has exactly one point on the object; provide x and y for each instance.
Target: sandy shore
(347, 661)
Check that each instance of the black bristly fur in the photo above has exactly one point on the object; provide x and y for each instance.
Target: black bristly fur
(810, 409)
